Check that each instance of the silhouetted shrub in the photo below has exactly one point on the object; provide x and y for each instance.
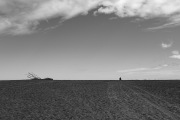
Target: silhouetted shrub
(47, 79)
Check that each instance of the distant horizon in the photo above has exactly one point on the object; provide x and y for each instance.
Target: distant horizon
(96, 80)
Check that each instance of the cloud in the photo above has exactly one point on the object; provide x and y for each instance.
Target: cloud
(175, 52)
(165, 65)
(132, 70)
(23, 16)
(172, 73)
(169, 24)
(139, 70)
(175, 55)
(166, 45)
(165, 71)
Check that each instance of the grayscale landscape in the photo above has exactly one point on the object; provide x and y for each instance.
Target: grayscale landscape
(89, 59)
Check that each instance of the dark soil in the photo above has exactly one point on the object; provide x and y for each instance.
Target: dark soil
(89, 100)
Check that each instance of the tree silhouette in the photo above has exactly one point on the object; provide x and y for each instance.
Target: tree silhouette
(33, 76)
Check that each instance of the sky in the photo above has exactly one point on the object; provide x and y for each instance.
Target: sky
(90, 40)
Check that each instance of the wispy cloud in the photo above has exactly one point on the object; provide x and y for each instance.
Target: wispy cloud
(170, 23)
(23, 16)
(136, 70)
(166, 45)
(164, 71)
(175, 52)
(132, 70)
(175, 55)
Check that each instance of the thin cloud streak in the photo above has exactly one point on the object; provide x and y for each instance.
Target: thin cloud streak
(136, 70)
(163, 73)
(23, 16)
(159, 72)
(169, 24)
(133, 70)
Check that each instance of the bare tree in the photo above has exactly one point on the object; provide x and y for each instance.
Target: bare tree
(33, 76)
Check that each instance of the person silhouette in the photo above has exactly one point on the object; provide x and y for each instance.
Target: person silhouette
(120, 78)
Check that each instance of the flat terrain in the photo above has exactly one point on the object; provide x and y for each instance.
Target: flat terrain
(89, 100)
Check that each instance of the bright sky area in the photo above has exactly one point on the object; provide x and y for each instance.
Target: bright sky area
(91, 40)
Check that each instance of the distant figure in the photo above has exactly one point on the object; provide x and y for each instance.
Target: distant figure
(120, 78)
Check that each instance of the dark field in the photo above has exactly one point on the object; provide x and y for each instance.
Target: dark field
(89, 100)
